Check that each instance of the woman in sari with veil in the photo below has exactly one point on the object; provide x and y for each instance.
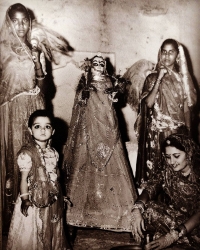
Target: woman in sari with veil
(174, 223)
(24, 45)
(19, 96)
(167, 101)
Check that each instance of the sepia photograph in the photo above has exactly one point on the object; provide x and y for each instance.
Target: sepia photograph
(99, 124)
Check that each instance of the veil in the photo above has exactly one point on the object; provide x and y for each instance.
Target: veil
(182, 67)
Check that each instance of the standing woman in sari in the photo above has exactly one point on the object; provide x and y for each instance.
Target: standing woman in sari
(167, 101)
(20, 74)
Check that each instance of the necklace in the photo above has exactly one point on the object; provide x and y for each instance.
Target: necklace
(41, 152)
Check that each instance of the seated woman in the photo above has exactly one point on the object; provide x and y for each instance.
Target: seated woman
(176, 222)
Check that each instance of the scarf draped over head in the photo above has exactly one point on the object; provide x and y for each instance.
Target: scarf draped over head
(192, 150)
(17, 72)
(181, 64)
(16, 64)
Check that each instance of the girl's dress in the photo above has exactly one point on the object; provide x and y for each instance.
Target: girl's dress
(174, 101)
(19, 97)
(99, 180)
(43, 227)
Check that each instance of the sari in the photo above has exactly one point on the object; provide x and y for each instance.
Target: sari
(19, 97)
(171, 113)
(182, 198)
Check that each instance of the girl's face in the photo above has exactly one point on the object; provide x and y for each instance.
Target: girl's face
(176, 159)
(41, 129)
(21, 24)
(168, 55)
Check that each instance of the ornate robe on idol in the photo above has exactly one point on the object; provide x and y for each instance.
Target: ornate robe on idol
(168, 115)
(98, 177)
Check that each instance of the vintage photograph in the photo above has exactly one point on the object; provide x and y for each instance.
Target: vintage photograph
(99, 124)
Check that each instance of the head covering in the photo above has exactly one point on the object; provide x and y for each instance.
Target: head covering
(9, 37)
(14, 79)
(181, 65)
(191, 149)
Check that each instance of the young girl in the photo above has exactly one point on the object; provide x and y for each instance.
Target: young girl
(37, 221)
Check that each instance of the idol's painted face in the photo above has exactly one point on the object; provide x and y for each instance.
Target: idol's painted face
(21, 23)
(98, 65)
(168, 55)
(41, 129)
(176, 159)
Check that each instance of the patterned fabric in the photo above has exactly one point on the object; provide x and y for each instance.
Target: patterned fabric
(183, 200)
(45, 225)
(182, 195)
(19, 97)
(98, 178)
(170, 114)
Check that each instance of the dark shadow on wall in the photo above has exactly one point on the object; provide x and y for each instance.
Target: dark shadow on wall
(60, 136)
(63, 48)
(109, 67)
(195, 111)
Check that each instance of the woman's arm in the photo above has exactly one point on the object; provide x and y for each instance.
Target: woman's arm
(171, 237)
(192, 222)
(39, 74)
(137, 221)
(150, 99)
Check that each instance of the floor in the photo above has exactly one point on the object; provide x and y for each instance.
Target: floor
(93, 239)
(100, 239)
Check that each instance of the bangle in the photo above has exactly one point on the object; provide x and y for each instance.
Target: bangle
(140, 205)
(40, 77)
(182, 230)
(158, 80)
(23, 194)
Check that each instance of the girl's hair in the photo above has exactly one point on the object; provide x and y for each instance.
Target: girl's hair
(40, 112)
(172, 142)
(17, 7)
(170, 41)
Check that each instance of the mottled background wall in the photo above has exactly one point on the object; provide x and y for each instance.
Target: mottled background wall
(129, 30)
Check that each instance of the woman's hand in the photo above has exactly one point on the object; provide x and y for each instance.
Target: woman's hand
(24, 207)
(162, 72)
(163, 242)
(36, 55)
(137, 224)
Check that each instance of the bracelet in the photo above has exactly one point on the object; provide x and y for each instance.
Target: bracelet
(158, 81)
(182, 230)
(40, 77)
(140, 205)
(23, 194)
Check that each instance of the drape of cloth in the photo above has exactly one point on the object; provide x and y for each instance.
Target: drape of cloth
(168, 115)
(182, 201)
(43, 227)
(98, 177)
(19, 97)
